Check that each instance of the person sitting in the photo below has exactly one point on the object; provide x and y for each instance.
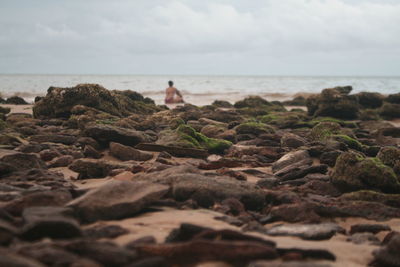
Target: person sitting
(172, 95)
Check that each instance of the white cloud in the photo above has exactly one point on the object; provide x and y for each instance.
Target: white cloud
(259, 35)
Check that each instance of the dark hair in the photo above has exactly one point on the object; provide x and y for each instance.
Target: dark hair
(170, 83)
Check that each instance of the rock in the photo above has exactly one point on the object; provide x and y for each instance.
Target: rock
(186, 137)
(59, 101)
(116, 200)
(52, 254)
(289, 159)
(388, 255)
(369, 228)
(175, 151)
(292, 140)
(106, 253)
(323, 130)
(91, 152)
(16, 100)
(7, 232)
(128, 153)
(205, 250)
(212, 131)
(372, 196)
(370, 100)
(389, 156)
(49, 154)
(364, 238)
(393, 98)
(94, 168)
(53, 138)
(306, 231)
(254, 128)
(62, 161)
(334, 102)
(355, 172)
(53, 222)
(42, 199)
(291, 263)
(297, 212)
(104, 134)
(222, 104)
(330, 157)
(5, 110)
(11, 259)
(390, 111)
(300, 172)
(105, 231)
(11, 161)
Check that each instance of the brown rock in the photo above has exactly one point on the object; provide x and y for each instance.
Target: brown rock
(128, 153)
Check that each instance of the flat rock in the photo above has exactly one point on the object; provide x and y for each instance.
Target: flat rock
(289, 159)
(128, 153)
(104, 134)
(174, 151)
(369, 228)
(12, 161)
(53, 222)
(53, 138)
(7, 232)
(306, 231)
(94, 168)
(116, 200)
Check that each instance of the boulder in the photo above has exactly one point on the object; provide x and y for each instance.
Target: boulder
(53, 138)
(12, 259)
(116, 200)
(370, 100)
(59, 101)
(324, 130)
(11, 161)
(390, 111)
(389, 156)
(254, 128)
(355, 172)
(334, 102)
(16, 100)
(128, 153)
(187, 137)
(104, 134)
(393, 98)
(94, 168)
(62, 161)
(388, 255)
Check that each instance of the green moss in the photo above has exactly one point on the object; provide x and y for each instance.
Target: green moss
(199, 140)
(324, 130)
(389, 155)
(253, 128)
(355, 172)
(176, 122)
(351, 142)
(107, 121)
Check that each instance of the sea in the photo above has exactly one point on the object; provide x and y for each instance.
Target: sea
(196, 89)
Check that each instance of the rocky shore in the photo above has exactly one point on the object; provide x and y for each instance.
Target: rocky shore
(97, 177)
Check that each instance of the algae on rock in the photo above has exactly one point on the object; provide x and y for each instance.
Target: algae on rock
(355, 172)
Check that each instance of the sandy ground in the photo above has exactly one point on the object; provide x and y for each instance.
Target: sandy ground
(160, 223)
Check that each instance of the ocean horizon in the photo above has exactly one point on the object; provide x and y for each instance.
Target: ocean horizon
(199, 89)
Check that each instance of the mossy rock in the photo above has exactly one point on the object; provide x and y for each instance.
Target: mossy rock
(372, 196)
(255, 128)
(252, 102)
(285, 119)
(175, 123)
(350, 142)
(59, 102)
(390, 111)
(355, 172)
(389, 155)
(369, 115)
(186, 136)
(222, 104)
(370, 99)
(324, 130)
(342, 123)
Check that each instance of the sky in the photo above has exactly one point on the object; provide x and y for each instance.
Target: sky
(207, 37)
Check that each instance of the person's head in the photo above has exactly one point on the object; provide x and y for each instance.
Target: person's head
(170, 83)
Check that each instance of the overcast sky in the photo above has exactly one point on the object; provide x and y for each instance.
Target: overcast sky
(247, 37)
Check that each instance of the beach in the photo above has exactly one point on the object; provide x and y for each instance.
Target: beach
(86, 170)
